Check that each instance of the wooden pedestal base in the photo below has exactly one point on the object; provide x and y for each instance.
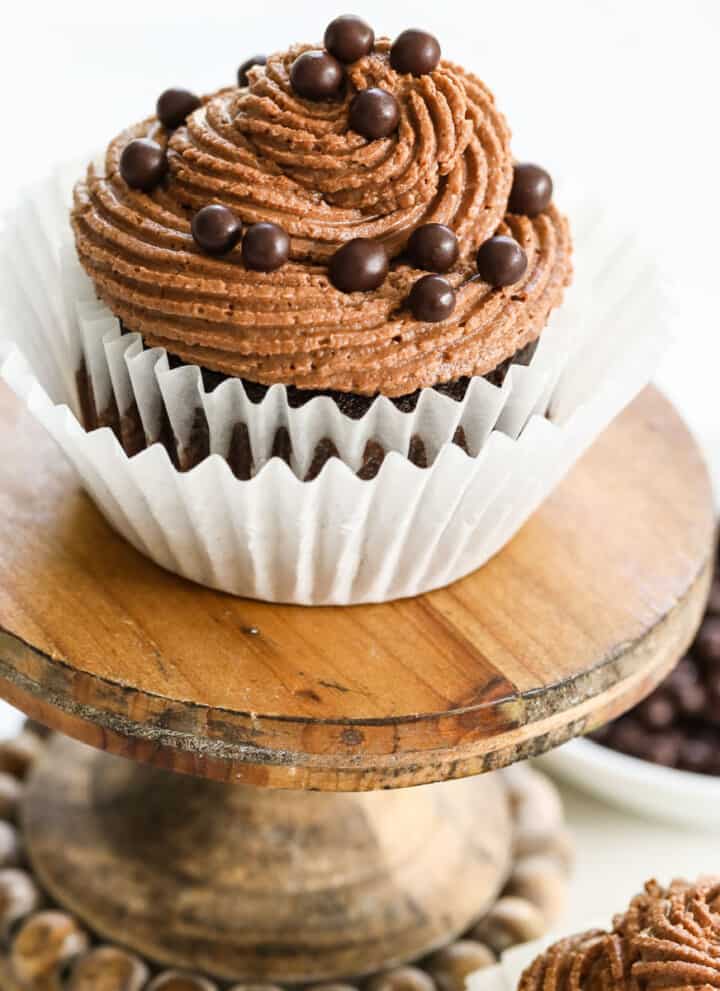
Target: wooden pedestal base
(251, 884)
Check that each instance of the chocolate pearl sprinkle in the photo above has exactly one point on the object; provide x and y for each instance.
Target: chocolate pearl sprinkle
(433, 247)
(348, 38)
(532, 190)
(374, 113)
(415, 52)
(216, 229)
(432, 299)
(143, 164)
(501, 261)
(361, 265)
(174, 107)
(266, 247)
(316, 76)
(242, 73)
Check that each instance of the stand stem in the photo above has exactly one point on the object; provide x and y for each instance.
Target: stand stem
(252, 884)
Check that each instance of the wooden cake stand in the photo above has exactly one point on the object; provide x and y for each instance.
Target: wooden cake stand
(221, 867)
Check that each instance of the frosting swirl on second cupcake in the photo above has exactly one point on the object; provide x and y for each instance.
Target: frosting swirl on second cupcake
(270, 155)
(669, 938)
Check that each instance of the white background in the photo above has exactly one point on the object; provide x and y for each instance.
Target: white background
(619, 97)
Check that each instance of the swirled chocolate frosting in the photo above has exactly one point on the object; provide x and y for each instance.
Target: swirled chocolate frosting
(669, 938)
(270, 155)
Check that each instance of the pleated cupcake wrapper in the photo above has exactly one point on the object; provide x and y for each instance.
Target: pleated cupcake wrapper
(337, 539)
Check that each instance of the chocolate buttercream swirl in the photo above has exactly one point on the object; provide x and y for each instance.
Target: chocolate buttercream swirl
(669, 938)
(270, 155)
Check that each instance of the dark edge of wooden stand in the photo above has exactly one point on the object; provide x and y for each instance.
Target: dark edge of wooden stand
(578, 705)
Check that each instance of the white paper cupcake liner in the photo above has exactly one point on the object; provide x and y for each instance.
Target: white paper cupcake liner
(337, 539)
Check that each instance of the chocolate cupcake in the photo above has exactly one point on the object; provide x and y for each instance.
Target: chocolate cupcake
(667, 938)
(297, 346)
(372, 238)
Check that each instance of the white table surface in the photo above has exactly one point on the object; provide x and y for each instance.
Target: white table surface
(620, 96)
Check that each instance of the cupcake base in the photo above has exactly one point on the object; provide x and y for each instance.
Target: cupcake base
(128, 427)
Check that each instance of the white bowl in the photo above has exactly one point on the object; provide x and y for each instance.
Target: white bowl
(659, 792)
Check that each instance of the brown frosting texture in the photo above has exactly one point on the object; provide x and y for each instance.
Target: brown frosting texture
(669, 939)
(270, 155)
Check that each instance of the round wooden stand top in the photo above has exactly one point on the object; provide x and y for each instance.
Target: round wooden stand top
(574, 621)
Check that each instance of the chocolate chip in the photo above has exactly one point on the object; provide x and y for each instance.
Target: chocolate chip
(532, 190)
(431, 299)
(707, 642)
(686, 672)
(265, 247)
(665, 749)
(415, 52)
(696, 755)
(143, 164)
(242, 73)
(501, 261)
(216, 229)
(690, 697)
(359, 266)
(174, 107)
(433, 247)
(630, 737)
(316, 75)
(374, 113)
(348, 38)
(658, 711)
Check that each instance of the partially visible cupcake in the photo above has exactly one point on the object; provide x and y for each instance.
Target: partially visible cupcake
(667, 938)
(346, 222)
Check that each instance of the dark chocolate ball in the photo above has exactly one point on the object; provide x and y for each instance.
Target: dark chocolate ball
(348, 38)
(174, 107)
(431, 299)
(707, 642)
(242, 73)
(265, 247)
(532, 190)
(696, 755)
(216, 229)
(143, 164)
(664, 749)
(658, 711)
(360, 265)
(374, 113)
(686, 673)
(690, 698)
(501, 261)
(433, 247)
(316, 75)
(630, 737)
(415, 52)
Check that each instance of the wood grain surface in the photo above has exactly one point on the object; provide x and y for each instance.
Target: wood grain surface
(575, 620)
(253, 885)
